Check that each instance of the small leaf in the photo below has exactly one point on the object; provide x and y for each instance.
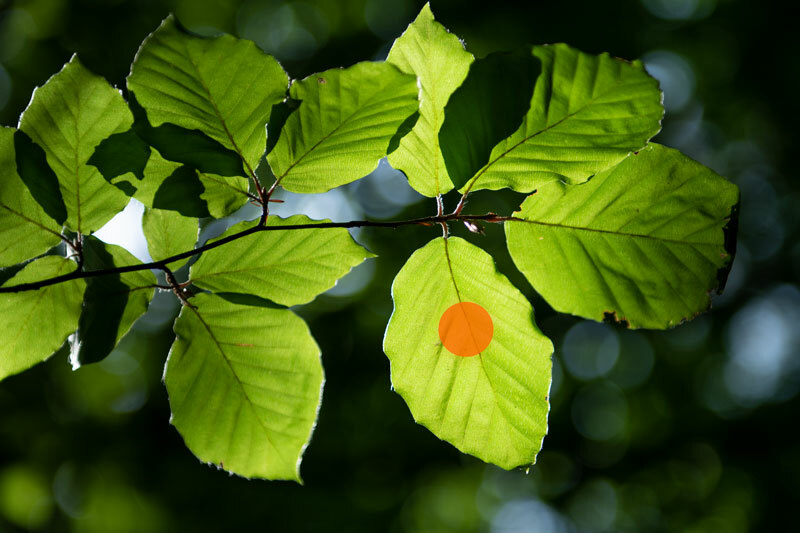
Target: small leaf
(488, 107)
(172, 186)
(225, 87)
(168, 233)
(68, 117)
(343, 127)
(587, 113)
(492, 405)
(111, 303)
(36, 323)
(244, 386)
(289, 267)
(642, 243)
(25, 228)
(440, 62)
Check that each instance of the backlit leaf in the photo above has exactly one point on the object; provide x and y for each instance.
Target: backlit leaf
(244, 386)
(224, 87)
(289, 267)
(642, 243)
(493, 405)
(168, 233)
(440, 62)
(343, 127)
(68, 117)
(36, 323)
(587, 113)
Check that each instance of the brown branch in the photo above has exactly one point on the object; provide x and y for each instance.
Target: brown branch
(162, 264)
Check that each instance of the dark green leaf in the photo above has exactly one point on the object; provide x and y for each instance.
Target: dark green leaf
(488, 107)
(111, 304)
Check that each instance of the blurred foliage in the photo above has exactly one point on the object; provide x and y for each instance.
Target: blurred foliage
(685, 430)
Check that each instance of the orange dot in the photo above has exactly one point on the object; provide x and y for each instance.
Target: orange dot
(466, 329)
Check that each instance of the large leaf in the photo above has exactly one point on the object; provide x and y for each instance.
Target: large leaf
(487, 108)
(111, 303)
(36, 323)
(587, 113)
(68, 117)
(168, 233)
(643, 243)
(244, 386)
(25, 229)
(343, 127)
(493, 405)
(224, 87)
(289, 267)
(440, 62)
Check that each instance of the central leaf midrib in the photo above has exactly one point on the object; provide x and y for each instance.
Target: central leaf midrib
(497, 405)
(611, 232)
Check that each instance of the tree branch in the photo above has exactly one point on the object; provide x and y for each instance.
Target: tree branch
(162, 264)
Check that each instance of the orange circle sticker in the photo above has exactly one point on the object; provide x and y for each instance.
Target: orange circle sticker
(466, 329)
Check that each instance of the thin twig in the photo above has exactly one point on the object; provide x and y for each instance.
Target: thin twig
(162, 264)
(177, 288)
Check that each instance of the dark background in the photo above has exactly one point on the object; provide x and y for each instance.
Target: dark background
(693, 429)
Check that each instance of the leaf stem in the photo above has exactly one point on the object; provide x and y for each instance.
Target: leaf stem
(162, 264)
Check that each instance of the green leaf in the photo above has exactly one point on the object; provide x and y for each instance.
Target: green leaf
(440, 62)
(36, 323)
(223, 195)
(168, 233)
(172, 186)
(343, 127)
(37, 175)
(25, 229)
(587, 113)
(643, 243)
(131, 152)
(68, 117)
(225, 87)
(488, 107)
(244, 386)
(111, 303)
(493, 405)
(289, 267)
